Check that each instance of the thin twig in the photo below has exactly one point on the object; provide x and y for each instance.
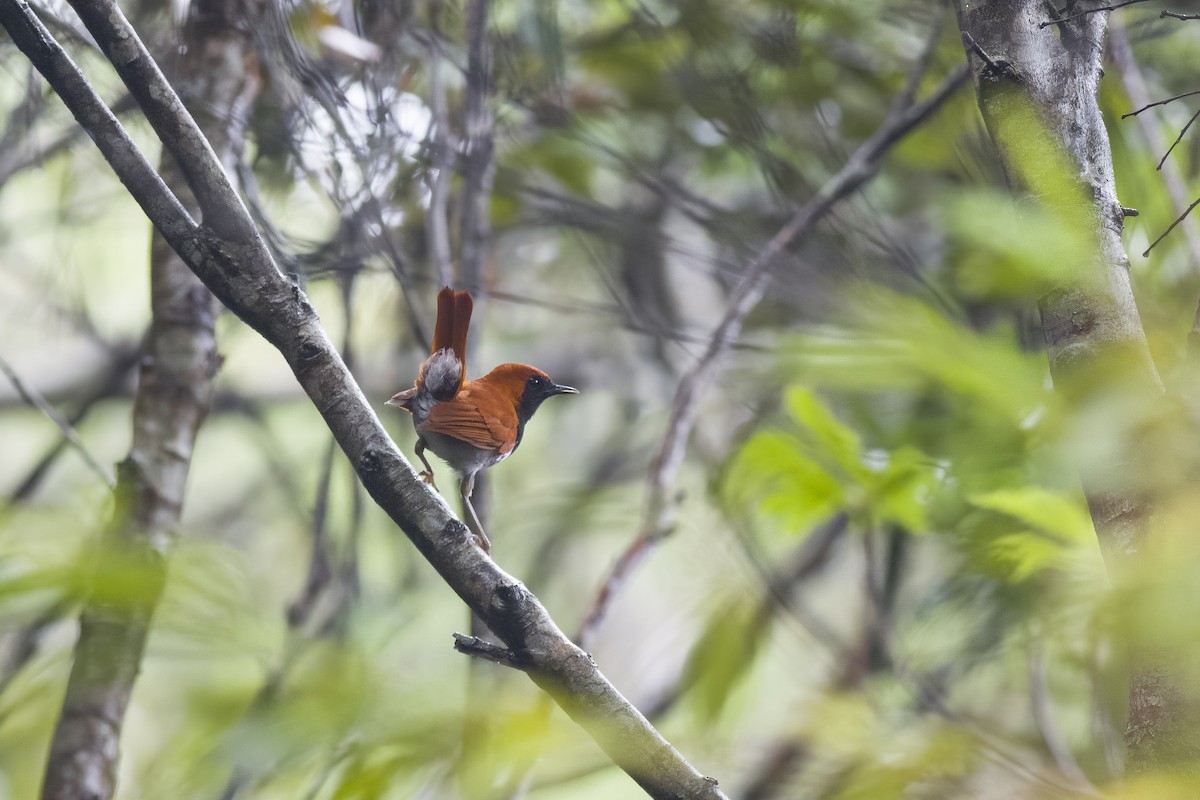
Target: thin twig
(1159, 103)
(1172, 227)
(862, 165)
(1177, 15)
(123, 360)
(1087, 11)
(34, 398)
(1178, 138)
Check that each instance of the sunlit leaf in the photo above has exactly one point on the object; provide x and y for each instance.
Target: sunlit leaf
(1041, 509)
(832, 441)
(772, 470)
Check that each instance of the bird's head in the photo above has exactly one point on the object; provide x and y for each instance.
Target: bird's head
(527, 387)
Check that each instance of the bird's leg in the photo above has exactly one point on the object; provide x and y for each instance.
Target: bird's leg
(427, 474)
(466, 487)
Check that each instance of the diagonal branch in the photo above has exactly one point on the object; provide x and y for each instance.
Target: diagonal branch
(35, 399)
(241, 273)
(861, 167)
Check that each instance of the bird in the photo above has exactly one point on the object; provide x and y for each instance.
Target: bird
(471, 424)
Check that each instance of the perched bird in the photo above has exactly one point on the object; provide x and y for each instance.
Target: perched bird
(471, 424)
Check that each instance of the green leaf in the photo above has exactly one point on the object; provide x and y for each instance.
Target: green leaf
(1042, 510)
(831, 440)
(900, 492)
(1022, 555)
(772, 470)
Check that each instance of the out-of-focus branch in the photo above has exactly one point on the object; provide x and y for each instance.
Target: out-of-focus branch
(478, 145)
(1043, 716)
(117, 374)
(240, 271)
(17, 159)
(442, 157)
(659, 510)
(22, 644)
(34, 398)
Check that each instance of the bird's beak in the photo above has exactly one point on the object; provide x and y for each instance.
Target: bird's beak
(560, 389)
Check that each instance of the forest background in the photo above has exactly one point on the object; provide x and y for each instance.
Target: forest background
(878, 484)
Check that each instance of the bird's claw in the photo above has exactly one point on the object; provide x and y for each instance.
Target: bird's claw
(427, 476)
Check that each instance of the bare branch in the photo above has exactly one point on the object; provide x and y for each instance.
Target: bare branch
(116, 376)
(1172, 226)
(1087, 11)
(1159, 103)
(1178, 138)
(1177, 15)
(131, 166)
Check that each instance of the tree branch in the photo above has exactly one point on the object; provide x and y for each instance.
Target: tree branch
(243, 276)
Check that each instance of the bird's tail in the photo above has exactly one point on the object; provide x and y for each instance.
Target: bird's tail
(450, 333)
(441, 374)
(445, 369)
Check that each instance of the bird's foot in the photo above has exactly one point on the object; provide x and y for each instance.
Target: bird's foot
(427, 476)
(484, 543)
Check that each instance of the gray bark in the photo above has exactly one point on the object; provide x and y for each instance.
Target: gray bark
(1094, 336)
(173, 396)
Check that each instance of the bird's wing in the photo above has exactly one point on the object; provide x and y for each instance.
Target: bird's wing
(464, 420)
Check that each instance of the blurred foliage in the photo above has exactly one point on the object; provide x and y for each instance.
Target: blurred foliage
(943, 643)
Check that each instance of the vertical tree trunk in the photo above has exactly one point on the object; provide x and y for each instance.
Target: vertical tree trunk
(216, 77)
(1036, 81)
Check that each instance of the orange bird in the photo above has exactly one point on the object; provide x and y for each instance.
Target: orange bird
(470, 424)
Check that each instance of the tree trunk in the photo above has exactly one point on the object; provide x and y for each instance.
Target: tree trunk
(173, 397)
(1038, 81)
